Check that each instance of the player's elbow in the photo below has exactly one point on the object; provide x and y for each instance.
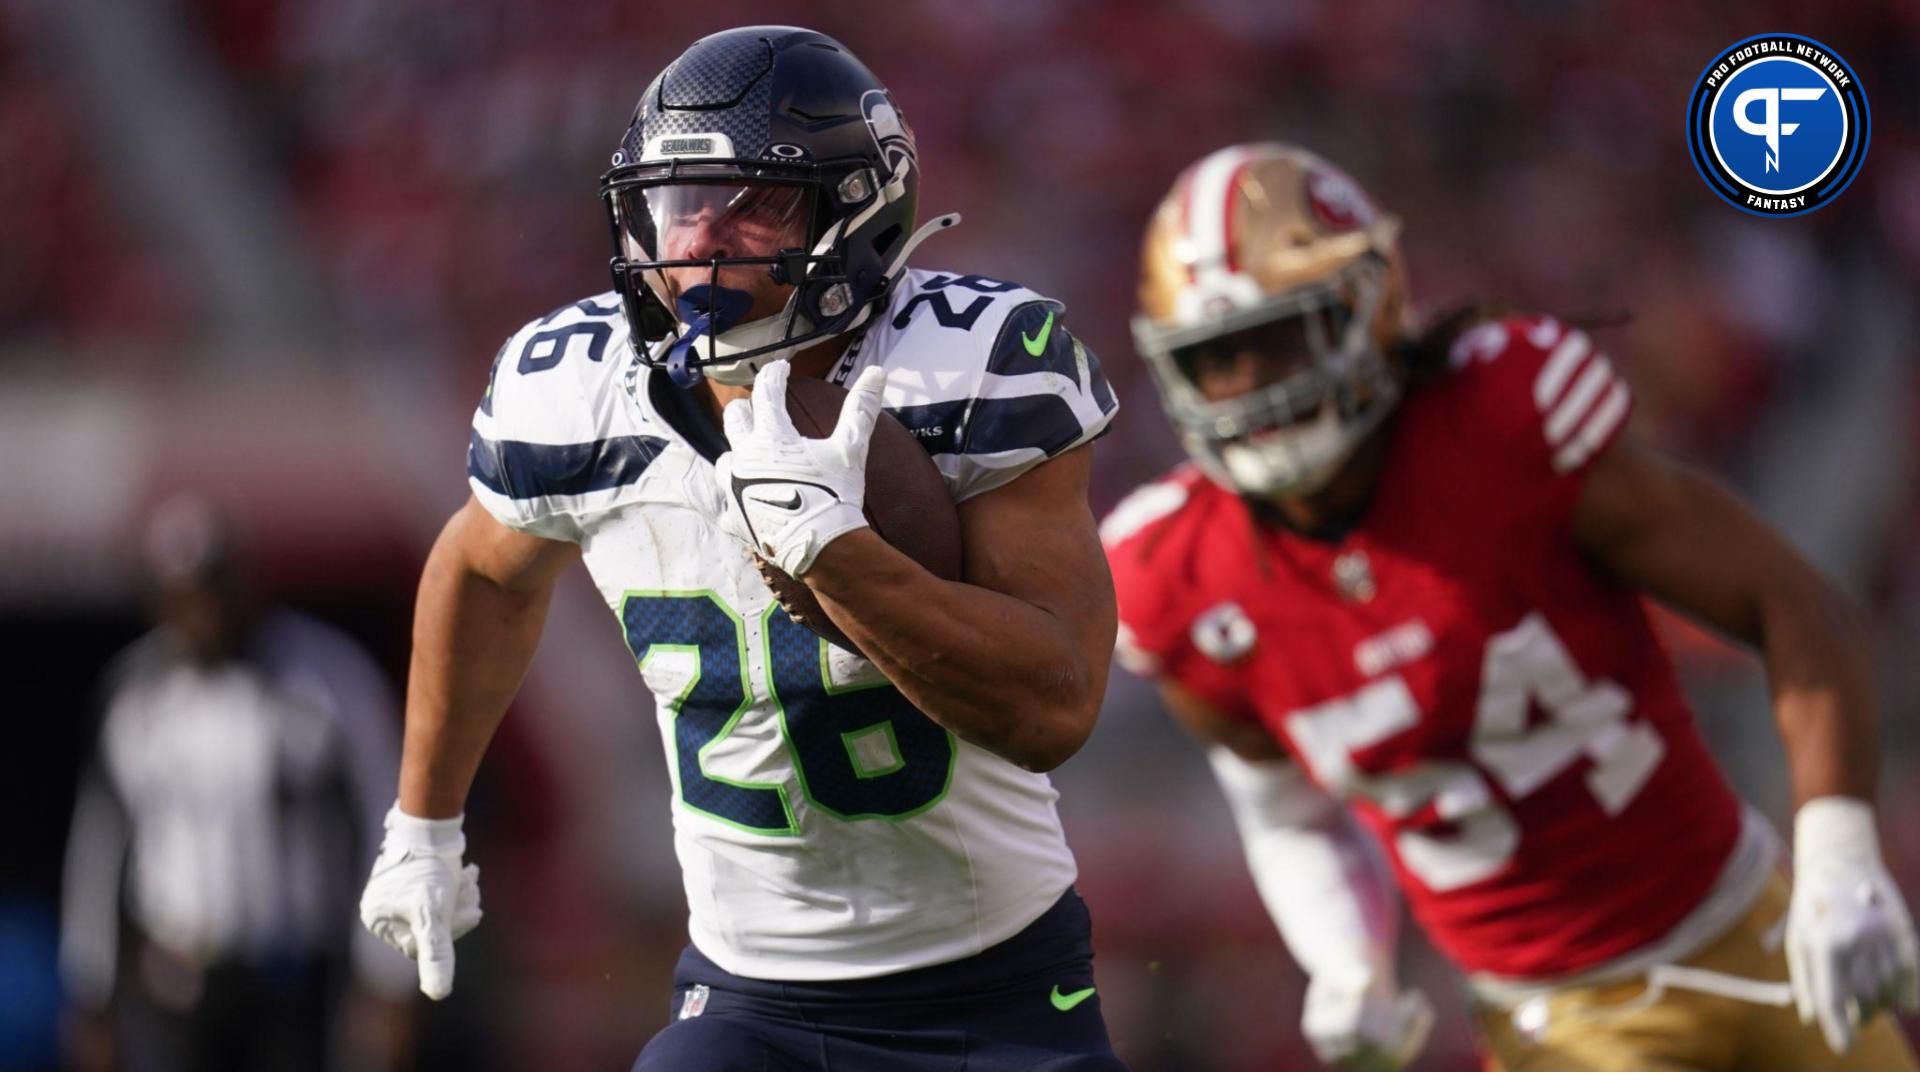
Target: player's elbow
(1037, 719)
(1058, 734)
(1795, 601)
(1048, 754)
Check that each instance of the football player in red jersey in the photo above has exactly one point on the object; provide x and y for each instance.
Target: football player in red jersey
(1407, 573)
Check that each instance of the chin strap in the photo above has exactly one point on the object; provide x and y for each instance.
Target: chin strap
(685, 375)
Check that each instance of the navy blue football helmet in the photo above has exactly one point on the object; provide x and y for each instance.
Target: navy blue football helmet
(763, 156)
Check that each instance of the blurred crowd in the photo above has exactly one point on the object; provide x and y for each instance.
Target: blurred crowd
(342, 206)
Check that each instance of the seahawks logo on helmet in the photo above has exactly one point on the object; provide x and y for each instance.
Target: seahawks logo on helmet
(889, 130)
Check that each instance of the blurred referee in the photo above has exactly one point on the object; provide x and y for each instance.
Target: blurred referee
(230, 808)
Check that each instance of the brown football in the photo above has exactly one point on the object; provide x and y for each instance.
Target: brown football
(907, 501)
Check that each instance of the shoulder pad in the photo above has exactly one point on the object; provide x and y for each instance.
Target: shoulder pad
(984, 372)
(554, 435)
(542, 372)
(1545, 385)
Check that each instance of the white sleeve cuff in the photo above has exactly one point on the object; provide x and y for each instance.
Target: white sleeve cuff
(441, 836)
(1320, 879)
(1834, 828)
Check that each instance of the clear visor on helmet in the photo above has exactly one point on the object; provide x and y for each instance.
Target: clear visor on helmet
(721, 232)
(698, 222)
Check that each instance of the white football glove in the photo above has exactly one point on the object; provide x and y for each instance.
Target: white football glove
(787, 496)
(420, 898)
(1850, 940)
(1365, 1024)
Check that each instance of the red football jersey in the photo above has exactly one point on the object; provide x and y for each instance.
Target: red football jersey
(1493, 707)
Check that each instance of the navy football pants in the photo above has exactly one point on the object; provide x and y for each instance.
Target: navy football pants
(1002, 1009)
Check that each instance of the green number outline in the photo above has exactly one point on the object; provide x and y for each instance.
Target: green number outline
(848, 738)
(826, 676)
(746, 702)
(826, 681)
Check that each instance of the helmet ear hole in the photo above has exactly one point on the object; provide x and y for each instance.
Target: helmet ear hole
(885, 241)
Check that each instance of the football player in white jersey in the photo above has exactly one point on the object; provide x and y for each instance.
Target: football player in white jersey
(876, 874)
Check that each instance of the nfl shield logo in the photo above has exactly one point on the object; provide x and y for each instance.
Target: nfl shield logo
(1353, 576)
(695, 1002)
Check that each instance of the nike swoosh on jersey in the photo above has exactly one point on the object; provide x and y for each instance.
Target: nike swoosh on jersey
(1037, 344)
(1066, 1002)
(792, 503)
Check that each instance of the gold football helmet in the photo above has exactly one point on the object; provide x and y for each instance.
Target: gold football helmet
(1260, 238)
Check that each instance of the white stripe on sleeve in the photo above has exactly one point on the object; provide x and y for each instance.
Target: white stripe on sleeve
(1559, 368)
(1594, 378)
(1594, 434)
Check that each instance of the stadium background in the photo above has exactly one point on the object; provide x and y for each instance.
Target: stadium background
(267, 250)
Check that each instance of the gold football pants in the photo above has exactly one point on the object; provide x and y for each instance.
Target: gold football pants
(1610, 1027)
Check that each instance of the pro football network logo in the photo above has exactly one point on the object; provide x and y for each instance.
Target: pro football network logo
(1778, 125)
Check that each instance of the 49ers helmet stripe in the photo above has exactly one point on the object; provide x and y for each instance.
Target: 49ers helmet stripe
(1211, 196)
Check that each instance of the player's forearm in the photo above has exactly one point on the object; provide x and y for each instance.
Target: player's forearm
(997, 671)
(1820, 668)
(472, 643)
(1329, 897)
(1687, 541)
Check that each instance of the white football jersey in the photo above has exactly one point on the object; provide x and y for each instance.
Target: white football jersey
(826, 829)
